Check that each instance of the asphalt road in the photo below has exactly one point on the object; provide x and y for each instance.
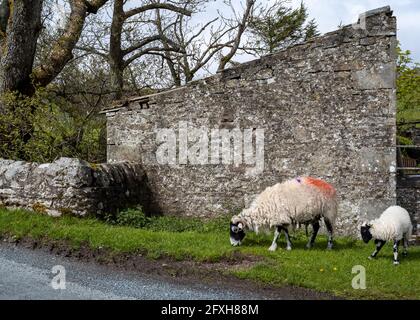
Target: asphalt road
(27, 274)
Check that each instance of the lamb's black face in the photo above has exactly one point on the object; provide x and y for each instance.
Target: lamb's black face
(236, 233)
(365, 232)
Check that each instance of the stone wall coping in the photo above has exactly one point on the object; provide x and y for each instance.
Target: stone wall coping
(377, 11)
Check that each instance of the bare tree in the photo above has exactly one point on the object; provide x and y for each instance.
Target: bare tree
(202, 44)
(241, 27)
(167, 54)
(119, 57)
(19, 36)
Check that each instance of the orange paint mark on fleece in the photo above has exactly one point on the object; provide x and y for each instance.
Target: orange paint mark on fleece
(321, 185)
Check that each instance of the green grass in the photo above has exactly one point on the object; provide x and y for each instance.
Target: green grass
(323, 270)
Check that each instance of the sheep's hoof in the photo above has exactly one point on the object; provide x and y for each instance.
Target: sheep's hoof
(396, 263)
(288, 248)
(371, 258)
(405, 254)
(308, 246)
(272, 248)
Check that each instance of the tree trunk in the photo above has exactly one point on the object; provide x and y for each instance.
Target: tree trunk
(20, 40)
(116, 57)
(19, 46)
(171, 65)
(4, 16)
(175, 75)
(117, 80)
(189, 76)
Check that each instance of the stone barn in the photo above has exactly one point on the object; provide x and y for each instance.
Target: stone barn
(324, 108)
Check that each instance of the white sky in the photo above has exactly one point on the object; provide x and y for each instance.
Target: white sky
(330, 13)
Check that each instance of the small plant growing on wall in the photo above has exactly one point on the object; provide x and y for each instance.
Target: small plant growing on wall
(135, 218)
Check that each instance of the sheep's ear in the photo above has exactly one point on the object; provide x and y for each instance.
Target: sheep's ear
(235, 220)
(366, 225)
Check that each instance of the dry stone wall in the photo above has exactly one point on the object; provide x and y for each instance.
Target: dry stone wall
(72, 186)
(326, 107)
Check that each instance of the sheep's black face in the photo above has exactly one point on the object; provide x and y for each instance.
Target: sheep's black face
(236, 233)
(365, 232)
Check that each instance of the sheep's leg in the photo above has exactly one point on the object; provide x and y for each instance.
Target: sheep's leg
(330, 233)
(405, 245)
(273, 246)
(379, 245)
(395, 249)
(288, 242)
(315, 227)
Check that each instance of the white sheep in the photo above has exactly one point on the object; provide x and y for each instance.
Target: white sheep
(298, 201)
(394, 224)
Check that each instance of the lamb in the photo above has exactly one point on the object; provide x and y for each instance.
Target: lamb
(303, 200)
(393, 224)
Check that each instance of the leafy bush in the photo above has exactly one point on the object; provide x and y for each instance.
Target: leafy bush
(405, 141)
(16, 127)
(132, 218)
(45, 127)
(408, 91)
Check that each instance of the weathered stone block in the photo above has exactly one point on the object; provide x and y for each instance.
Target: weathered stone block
(377, 77)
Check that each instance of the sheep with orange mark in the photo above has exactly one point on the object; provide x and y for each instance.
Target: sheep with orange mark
(304, 200)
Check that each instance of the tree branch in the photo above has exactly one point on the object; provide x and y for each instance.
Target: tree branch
(242, 26)
(152, 6)
(92, 51)
(61, 52)
(201, 31)
(148, 40)
(92, 6)
(150, 50)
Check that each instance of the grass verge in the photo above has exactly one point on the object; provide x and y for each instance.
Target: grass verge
(319, 269)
